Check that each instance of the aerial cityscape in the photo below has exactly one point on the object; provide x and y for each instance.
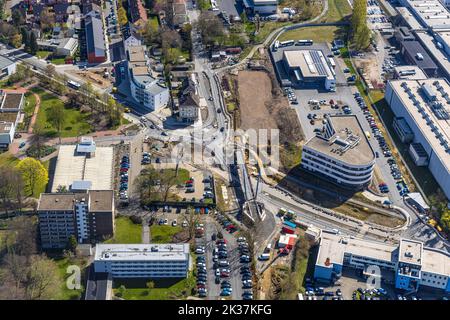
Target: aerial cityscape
(224, 150)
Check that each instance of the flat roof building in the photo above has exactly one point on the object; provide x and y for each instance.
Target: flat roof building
(76, 163)
(415, 54)
(411, 263)
(261, 6)
(430, 13)
(309, 66)
(409, 18)
(7, 67)
(409, 73)
(425, 106)
(439, 55)
(95, 38)
(88, 216)
(340, 153)
(143, 260)
(146, 88)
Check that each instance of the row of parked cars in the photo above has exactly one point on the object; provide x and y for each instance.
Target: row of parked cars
(124, 168)
(222, 267)
(246, 274)
(201, 272)
(226, 223)
(369, 294)
(291, 95)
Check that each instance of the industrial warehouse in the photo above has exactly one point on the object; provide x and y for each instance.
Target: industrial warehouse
(423, 104)
(309, 66)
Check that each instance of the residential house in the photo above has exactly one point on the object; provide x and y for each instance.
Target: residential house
(95, 40)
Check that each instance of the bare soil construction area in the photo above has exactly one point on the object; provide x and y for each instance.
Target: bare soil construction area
(262, 106)
(254, 96)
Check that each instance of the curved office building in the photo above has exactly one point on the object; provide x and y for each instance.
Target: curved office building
(340, 153)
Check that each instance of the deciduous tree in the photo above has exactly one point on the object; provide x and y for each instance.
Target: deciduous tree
(34, 175)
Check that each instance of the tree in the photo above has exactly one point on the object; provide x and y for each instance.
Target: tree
(37, 140)
(42, 280)
(34, 175)
(121, 291)
(25, 39)
(7, 188)
(361, 33)
(210, 27)
(192, 219)
(56, 116)
(17, 18)
(24, 233)
(122, 16)
(72, 243)
(47, 19)
(150, 285)
(151, 33)
(33, 43)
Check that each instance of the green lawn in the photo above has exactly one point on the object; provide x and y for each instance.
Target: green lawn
(164, 289)
(163, 234)
(43, 54)
(7, 159)
(76, 123)
(337, 10)
(66, 293)
(58, 61)
(317, 34)
(126, 232)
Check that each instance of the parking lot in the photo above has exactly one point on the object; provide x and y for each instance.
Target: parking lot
(376, 17)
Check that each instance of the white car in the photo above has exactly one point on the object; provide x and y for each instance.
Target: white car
(199, 251)
(184, 224)
(174, 223)
(241, 239)
(217, 272)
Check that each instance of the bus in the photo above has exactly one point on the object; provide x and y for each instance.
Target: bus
(73, 84)
(304, 43)
(287, 43)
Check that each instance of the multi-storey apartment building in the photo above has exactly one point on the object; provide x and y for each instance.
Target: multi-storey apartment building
(148, 90)
(89, 216)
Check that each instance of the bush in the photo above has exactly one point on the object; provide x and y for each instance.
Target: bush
(136, 219)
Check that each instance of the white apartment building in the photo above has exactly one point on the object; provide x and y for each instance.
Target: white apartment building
(143, 260)
(340, 153)
(146, 89)
(261, 6)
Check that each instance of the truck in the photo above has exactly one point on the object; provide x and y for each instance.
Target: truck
(290, 224)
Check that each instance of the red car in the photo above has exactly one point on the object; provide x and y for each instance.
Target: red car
(221, 241)
(231, 226)
(123, 169)
(224, 274)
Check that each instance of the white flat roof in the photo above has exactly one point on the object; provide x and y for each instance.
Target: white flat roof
(312, 63)
(442, 126)
(435, 262)
(432, 12)
(439, 56)
(410, 72)
(71, 167)
(409, 18)
(141, 252)
(410, 252)
(333, 247)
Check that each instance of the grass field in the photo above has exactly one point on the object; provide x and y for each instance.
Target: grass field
(66, 293)
(126, 232)
(163, 234)
(59, 61)
(7, 159)
(337, 10)
(317, 34)
(164, 289)
(75, 122)
(43, 54)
